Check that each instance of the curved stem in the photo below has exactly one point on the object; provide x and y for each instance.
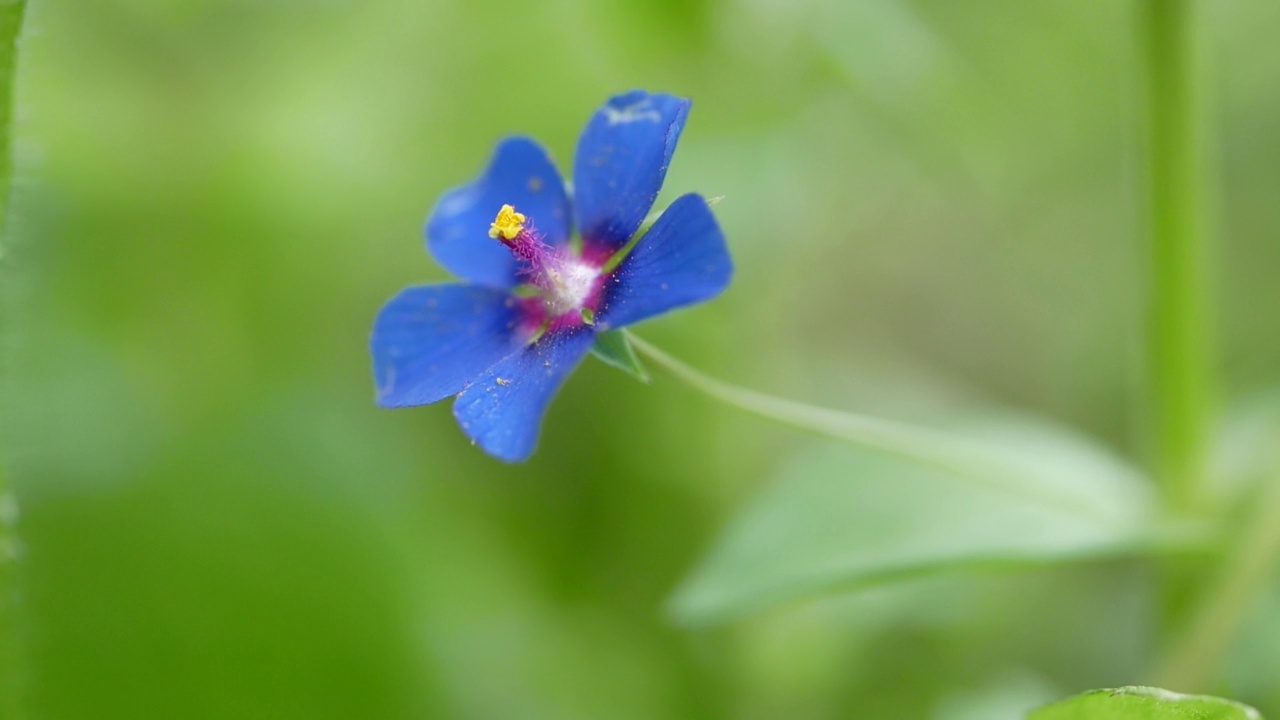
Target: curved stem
(974, 460)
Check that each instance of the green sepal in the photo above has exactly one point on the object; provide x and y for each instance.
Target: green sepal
(615, 349)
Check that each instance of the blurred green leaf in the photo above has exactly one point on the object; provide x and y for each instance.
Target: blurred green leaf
(1247, 448)
(1144, 703)
(615, 349)
(838, 517)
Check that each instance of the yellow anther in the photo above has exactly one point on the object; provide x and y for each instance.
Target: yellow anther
(508, 224)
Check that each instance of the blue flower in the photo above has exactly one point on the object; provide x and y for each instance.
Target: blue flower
(533, 300)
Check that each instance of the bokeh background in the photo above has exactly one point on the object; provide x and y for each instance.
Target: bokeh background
(930, 204)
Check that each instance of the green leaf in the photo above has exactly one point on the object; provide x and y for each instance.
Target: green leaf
(838, 518)
(615, 349)
(1144, 703)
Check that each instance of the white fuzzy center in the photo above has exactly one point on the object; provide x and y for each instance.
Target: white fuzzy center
(570, 285)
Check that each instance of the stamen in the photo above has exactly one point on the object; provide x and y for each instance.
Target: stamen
(564, 284)
(508, 224)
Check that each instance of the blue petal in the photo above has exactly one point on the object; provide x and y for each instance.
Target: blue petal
(622, 159)
(681, 260)
(503, 410)
(430, 342)
(520, 174)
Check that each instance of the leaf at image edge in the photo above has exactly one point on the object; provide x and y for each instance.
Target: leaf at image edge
(1144, 703)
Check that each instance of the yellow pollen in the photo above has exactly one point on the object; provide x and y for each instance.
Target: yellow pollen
(508, 224)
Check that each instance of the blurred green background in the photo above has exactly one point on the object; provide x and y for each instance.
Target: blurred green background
(930, 204)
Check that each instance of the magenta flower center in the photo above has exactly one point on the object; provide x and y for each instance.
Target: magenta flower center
(565, 286)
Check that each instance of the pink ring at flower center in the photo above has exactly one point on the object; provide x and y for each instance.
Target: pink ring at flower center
(567, 287)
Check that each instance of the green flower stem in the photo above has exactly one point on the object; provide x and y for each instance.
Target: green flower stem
(11, 12)
(1181, 334)
(973, 460)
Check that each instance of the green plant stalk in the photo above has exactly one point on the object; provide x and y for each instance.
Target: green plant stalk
(11, 13)
(1181, 334)
(1203, 607)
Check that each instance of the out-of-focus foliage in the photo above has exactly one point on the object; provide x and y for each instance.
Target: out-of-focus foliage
(844, 517)
(931, 205)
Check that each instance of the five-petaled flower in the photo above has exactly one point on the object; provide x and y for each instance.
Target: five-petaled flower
(535, 297)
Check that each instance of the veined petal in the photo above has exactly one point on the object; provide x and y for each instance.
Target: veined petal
(430, 342)
(681, 260)
(502, 411)
(621, 162)
(520, 174)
